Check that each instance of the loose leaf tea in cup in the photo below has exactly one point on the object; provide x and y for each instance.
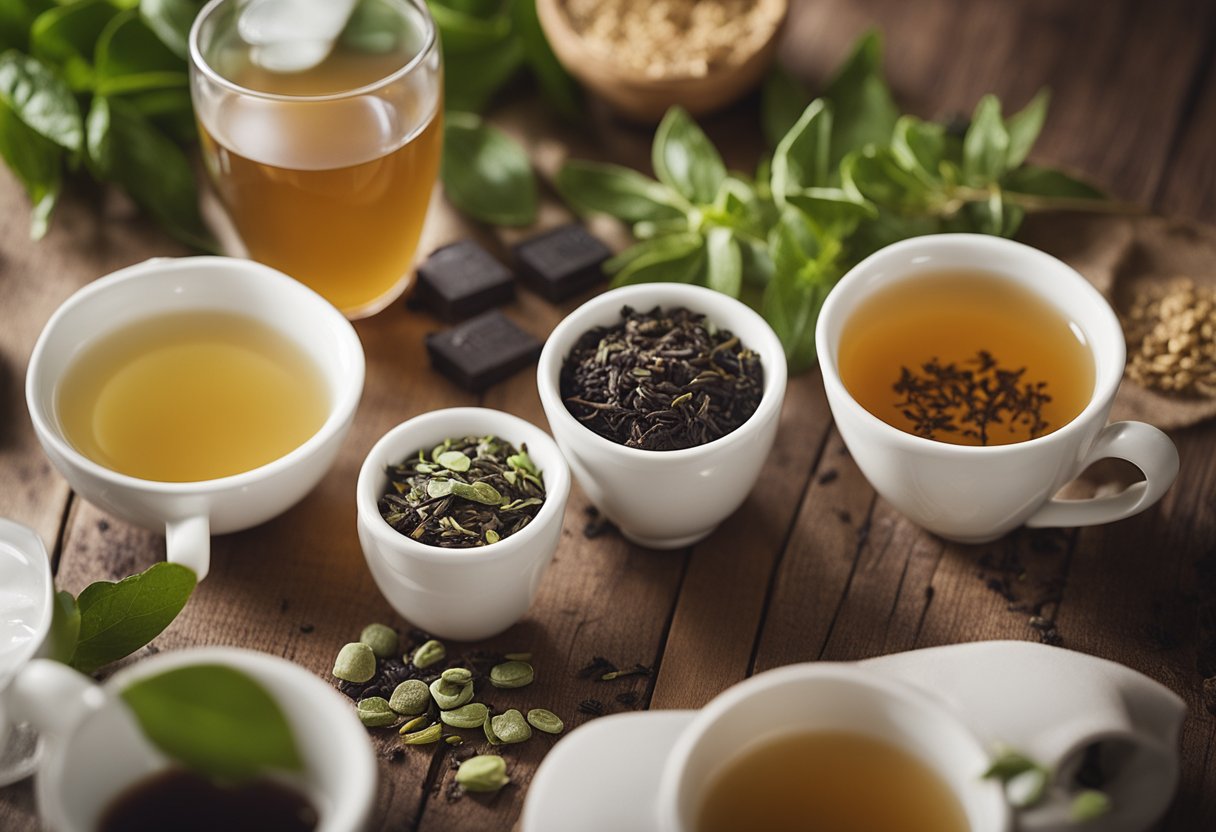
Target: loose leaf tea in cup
(661, 380)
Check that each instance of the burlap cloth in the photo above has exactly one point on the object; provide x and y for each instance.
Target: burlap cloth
(1120, 256)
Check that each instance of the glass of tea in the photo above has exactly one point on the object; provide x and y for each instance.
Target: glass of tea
(323, 144)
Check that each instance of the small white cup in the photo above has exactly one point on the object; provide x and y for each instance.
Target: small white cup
(665, 499)
(95, 748)
(189, 512)
(461, 594)
(977, 494)
(827, 697)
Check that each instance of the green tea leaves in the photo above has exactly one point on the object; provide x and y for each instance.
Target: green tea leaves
(116, 619)
(986, 145)
(864, 112)
(35, 161)
(675, 258)
(40, 98)
(1024, 128)
(724, 262)
(596, 187)
(215, 720)
(485, 173)
(803, 273)
(685, 160)
(801, 158)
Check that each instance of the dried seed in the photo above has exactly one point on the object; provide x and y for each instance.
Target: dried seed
(375, 712)
(483, 773)
(382, 639)
(355, 663)
(424, 737)
(448, 695)
(545, 720)
(457, 675)
(410, 698)
(472, 715)
(414, 725)
(428, 654)
(514, 674)
(511, 727)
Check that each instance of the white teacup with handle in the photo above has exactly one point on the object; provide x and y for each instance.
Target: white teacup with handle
(977, 494)
(190, 512)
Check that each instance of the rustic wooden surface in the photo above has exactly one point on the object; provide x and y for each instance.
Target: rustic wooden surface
(814, 566)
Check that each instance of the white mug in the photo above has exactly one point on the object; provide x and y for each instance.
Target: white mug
(189, 512)
(977, 494)
(96, 750)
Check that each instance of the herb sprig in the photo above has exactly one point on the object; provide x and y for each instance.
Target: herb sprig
(847, 176)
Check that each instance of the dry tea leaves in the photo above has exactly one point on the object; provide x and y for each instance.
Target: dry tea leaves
(448, 695)
(382, 639)
(545, 720)
(661, 380)
(472, 715)
(511, 675)
(467, 492)
(375, 712)
(511, 727)
(483, 773)
(355, 663)
(410, 698)
(429, 653)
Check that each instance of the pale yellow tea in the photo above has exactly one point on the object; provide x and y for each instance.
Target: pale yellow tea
(191, 396)
(829, 782)
(968, 358)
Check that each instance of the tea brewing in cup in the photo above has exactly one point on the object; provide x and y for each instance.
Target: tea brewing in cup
(971, 378)
(195, 396)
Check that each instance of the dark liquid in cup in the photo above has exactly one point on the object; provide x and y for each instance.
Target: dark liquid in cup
(188, 802)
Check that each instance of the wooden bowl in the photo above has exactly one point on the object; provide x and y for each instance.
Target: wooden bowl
(640, 97)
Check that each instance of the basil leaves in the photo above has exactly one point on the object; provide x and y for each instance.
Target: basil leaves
(848, 175)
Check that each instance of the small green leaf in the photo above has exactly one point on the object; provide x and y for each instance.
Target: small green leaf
(876, 175)
(685, 160)
(215, 720)
(1037, 181)
(41, 99)
(863, 110)
(478, 492)
(783, 99)
(1007, 764)
(486, 174)
(36, 162)
(128, 47)
(596, 187)
(801, 158)
(454, 460)
(986, 145)
(919, 147)
(116, 619)
(65, 627)
(16, 16)
(1024, 128)
(724, 263)
(1089, 805)
(66, 36)
(556, 84)
(677, 258)
(171, 20)
(803, 273)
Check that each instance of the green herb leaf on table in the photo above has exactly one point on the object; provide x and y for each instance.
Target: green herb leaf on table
(65, 627)
(803, 273)
(485, 173)
(596, 187)
(215, 720)
(724, 262)
(685, 160)
(41, 99)
(676, 258)
(116, 619)
(986, 145)
(36, 161)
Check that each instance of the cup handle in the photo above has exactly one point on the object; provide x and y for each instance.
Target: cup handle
(188, 542)
(1142, 445)
(51, 697)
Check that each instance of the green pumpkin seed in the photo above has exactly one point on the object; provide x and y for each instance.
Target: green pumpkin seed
(382, 640)
(511, 675)
(424, 737)
(472, 715)
(511, 727)
(429, 653)
(410, 698)
(544, 720)
(483, 773)
(355, 663)
(457, 675)
(448, 696)
(454, 461)
(375, 712)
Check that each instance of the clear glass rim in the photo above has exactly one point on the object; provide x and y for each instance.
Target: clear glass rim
(197, 61)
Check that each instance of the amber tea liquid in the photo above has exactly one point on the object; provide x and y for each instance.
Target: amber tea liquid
(332, 192)
(966, 357)
(829, 782)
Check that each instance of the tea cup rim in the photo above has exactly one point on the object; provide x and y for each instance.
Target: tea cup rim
(723, 310)
(341, 408)
(513, 427)
(1105, 385)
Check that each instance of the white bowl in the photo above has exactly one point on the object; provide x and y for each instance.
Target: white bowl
(666, 499)
(461, 594)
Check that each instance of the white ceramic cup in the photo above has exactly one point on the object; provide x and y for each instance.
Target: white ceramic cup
(665, 499)
(977, 494)
(189, 512)
(827, 697)
(95, 749)
(461, 594)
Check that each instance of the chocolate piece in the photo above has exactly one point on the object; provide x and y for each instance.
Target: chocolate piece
(461, 280)
(482, 351)
(562, 262)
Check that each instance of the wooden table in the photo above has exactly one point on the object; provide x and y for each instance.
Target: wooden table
(814, 566)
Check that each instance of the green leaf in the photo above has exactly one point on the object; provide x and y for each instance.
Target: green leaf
(724, 262)
(677, 258)
(986, 145)
(216, 720)
(862, 107)
(668, 246)
(919, 147)
(685, 160)
(116, 619)
(1024, 128)
(801, 158)
(127, 148)
(804, 272)
(1089, 805)
(16, 16)
(835, 212)
(128, 47)
(468, 84)
(66, 36)
(36, 162)
(468, 34)
(41, 99)
(170, 21)
(783, 99)
(485, 173)
(1037, 181)
(65, 627)
(596, 187)
(557, 85)
(877, 176)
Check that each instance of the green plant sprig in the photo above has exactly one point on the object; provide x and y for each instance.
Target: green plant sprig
(847, 176)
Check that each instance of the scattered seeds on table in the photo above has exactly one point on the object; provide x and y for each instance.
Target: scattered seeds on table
(448, 695)
(483, 773)
(355, 663)
(429, 653)
(457, 675)
(424, 737)
(488, 728)
(545, 720)
(416, 724)
(511, 675)
(382, 640)
(454, 739)
(410, 698)
(472, 715)
(375, 712)
(511, 727)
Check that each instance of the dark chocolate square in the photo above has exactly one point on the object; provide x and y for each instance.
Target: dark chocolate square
(561, 263)
(461, 280)
(482, 351)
